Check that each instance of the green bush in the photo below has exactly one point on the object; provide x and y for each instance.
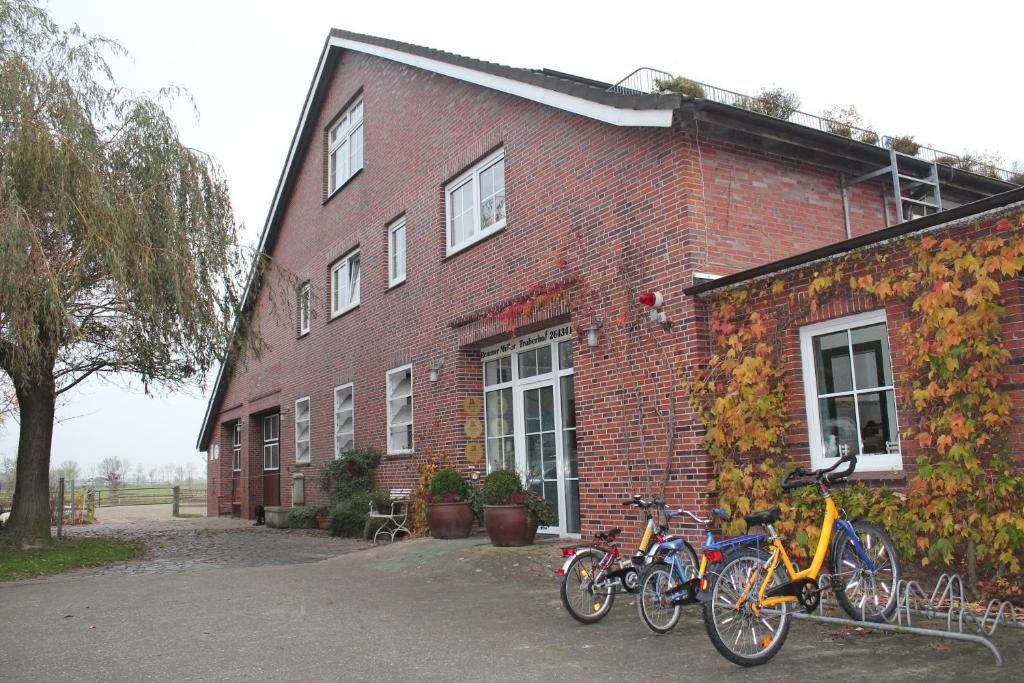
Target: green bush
(499, 487)
(905, 144)
(354, 472)
(778, 103)
(302, 517)
(448, 486)
(349, 517)
(683, 86)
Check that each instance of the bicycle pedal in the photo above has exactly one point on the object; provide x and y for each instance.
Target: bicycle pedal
(836, 583)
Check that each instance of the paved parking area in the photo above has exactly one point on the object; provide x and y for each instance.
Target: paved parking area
(417, 610)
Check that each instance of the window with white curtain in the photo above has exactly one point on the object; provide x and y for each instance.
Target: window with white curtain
(344, 419)
(302, 430)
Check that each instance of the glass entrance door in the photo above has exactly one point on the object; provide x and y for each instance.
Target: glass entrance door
(542, 445)
(530, 420)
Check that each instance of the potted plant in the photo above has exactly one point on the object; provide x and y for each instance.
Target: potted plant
(323, 517)
(449, 512)
(511, 515)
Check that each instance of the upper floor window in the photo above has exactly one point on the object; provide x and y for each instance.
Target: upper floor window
(849, 392)
(345, 147)
(345, 284)
(302, 430)
(304, 296)
(396, 253)
(475, 203)
(399, 388)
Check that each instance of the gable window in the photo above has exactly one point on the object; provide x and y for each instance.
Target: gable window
(304, 296)
(345, 147)
(396, 253)
(475, 203)
(345, 284)
(236, 447)
(302, 430)
(399, 388)
(272, 442)
(344, 419)
(849, 392)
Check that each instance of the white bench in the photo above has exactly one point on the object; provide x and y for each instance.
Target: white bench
(391, 523)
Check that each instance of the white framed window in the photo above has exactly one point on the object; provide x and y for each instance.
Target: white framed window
(215, 452)
(345, 278)
(302, 430)
(304, 296)
(272, 442)
(475, 203)
(236, 447)
(849, 392)
(396, 252)
(344, 419)
(399, 390)
(345, 147)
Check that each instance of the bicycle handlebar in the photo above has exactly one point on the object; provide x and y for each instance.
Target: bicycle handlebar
(645, 504)
(807, 477)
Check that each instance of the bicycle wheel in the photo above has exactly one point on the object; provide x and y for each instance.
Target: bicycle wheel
(741, 633)
(585, 602)
(653, 604)
(869, 595)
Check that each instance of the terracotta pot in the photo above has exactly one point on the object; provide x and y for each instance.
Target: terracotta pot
(450, 520)
(509, 525)
(323, 519)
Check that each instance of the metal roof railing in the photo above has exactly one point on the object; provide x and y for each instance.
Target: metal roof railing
(644, 81)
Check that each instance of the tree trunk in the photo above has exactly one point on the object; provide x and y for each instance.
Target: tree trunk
(30, 513)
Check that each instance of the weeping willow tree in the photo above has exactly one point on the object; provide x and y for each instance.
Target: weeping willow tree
(118, 246)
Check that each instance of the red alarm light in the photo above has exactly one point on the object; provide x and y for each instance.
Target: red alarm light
(653, 299)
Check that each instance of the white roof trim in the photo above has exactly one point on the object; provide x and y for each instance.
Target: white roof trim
(658, 118)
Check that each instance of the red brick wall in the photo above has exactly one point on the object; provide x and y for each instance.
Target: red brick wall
(624, 208)
(780, 305)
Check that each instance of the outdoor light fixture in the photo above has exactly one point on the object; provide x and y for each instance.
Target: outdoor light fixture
(592, 340)
(435, 368)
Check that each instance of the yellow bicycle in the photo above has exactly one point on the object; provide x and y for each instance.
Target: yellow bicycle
(747, 604)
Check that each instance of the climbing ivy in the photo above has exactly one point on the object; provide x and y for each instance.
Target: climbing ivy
(967, 495)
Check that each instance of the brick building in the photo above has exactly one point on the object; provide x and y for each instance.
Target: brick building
(471, 240)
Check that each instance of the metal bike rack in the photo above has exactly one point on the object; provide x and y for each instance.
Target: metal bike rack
(947, 602)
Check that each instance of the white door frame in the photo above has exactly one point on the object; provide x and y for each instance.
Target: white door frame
(550, 338)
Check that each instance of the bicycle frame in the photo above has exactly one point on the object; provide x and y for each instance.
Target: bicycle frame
(779, 554)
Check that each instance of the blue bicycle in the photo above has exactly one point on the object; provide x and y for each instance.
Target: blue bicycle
(675, 578)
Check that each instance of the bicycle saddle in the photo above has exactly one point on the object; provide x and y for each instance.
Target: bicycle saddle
(609, 535)
(763, 517)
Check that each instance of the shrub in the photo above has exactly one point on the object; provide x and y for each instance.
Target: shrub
(499, 487)
(683, 86)
(349, 517)
(354, 472)
(868, 136)
(302, 517)
(905, 144)
(775, 102)
(841, 120)
(448, 486)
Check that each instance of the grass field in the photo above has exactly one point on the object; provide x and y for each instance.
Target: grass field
(62, 555)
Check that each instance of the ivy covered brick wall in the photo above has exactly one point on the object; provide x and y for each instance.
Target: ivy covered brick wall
(954, 304)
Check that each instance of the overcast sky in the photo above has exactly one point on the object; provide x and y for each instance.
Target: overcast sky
(942, 72)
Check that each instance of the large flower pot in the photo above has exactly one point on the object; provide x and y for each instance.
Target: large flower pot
(509, 525)
(277, 516)
(450, 520)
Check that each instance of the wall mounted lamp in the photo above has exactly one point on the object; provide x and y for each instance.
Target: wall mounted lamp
(435, 368)
(592, 338)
